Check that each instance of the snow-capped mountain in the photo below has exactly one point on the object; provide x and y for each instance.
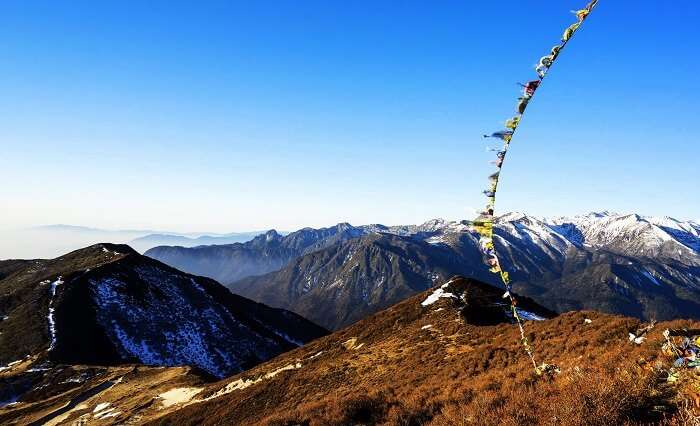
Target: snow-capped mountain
(633, 234)
(628, 264)
(107, 305)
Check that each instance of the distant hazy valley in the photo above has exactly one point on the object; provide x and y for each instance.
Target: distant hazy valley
(55, 240)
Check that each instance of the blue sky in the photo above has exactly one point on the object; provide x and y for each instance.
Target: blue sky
(228, 116)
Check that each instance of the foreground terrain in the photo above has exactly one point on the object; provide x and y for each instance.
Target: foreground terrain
(450, 355)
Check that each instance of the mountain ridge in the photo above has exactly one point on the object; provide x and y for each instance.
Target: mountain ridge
(265, 253)
(107, 304)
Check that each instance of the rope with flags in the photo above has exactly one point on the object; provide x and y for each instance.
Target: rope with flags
(484, 222)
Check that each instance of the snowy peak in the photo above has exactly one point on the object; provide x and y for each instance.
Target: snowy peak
(433, 225)
(629, 234)
(638, 235)
(267, 237)
(512, 217)
(601, 214)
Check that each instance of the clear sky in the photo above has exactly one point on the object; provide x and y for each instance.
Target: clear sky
(229, 116)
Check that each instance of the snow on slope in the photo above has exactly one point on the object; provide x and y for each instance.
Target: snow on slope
(138, 319)
(628, 234)
(50, 316)
(636, 235)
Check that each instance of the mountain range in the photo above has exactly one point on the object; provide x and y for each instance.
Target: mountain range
(639, 266)
(265, 253)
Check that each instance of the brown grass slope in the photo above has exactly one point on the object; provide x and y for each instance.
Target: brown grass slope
(415, 365)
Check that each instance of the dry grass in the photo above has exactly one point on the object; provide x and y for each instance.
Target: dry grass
(460, 374)
(585, 397)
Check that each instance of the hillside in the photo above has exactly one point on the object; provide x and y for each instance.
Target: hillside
(454, 361)
(108, 305)
(447, 356)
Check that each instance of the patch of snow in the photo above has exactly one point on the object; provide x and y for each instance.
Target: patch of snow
(51, 319)
(113, 253)
(351, 344)
(437, 239)
(437, 294)
(101, 406)
(449, 282)
(242, 384)
(178, 396)
(110, 412)
(635, 339)
(425, 327)
(10, 365)
(10, 401)
(529, 316)
(651, 277)
(587, 321)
